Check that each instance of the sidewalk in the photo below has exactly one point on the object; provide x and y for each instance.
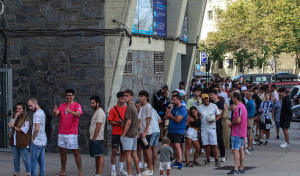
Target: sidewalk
(265, 160)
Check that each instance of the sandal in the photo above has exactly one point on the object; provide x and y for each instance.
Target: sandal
(60, 174)
(190, 164)
(196, 164)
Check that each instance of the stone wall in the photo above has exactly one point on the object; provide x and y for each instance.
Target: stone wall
(143, 76)
(45, 66)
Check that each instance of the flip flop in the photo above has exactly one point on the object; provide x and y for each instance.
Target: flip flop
(59, 174)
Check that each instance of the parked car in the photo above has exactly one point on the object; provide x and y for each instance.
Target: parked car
(294, 91)
(255, 78)
(296, 113)
(287, 80)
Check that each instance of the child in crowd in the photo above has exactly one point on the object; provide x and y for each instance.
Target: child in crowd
(165, 152)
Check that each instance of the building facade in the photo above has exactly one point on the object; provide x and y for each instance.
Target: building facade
(89, 46)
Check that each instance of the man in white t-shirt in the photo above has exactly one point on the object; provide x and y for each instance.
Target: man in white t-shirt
(97, 134)
(38, 139)
(146, 129)
(180, 89)
(208, 128)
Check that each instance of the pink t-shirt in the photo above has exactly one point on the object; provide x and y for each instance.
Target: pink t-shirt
(240, 130)
(69, 123)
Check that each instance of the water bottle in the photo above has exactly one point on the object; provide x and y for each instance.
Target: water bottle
(145, 141)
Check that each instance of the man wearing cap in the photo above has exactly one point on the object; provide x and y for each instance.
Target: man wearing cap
(208, 128)
(181, 90)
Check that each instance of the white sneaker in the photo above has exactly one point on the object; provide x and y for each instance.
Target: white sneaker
(223, 159)
(247, 152)
(254, 143)
(122, 173)
(113, 173)
(284, 145)
(147, 172)
(212, 159)
(138, 175)
(202, 151)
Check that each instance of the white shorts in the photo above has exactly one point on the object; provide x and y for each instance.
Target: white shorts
(68, 141)
(164, 165)
(209, 137)
(192, 134)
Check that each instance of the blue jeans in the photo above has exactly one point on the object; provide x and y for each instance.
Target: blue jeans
(37, 155)
(23, 152)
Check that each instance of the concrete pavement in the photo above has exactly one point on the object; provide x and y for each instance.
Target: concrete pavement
(265, 160)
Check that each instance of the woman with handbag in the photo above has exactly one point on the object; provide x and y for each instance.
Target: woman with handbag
(19, 137)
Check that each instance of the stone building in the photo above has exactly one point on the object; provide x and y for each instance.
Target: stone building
(87, 45)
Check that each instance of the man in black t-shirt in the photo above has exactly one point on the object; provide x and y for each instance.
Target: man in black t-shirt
(285, 115)
(213, 96)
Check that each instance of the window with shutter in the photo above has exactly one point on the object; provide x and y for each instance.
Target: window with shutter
(128, 65)
(158, 62)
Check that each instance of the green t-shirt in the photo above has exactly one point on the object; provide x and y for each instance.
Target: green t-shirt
(192, 102)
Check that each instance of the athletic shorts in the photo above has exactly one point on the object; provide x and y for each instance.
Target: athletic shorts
(154, 139)
(148, 138)
(265, 126)
(164, 165)
(176, 137)
(192, 134)
(68, 141)
(115, 141)
(237, 142)
(96, 148)
(285, 124)
(209, 137)
(129, 143)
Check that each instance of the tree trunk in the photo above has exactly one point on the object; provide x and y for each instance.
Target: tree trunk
(296, 63)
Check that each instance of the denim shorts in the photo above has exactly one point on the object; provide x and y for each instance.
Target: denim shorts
(96, 148)
(277, 123)
(154, 139)
(237, 142)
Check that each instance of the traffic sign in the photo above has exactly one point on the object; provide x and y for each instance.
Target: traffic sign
(203, 58)
(198, 67)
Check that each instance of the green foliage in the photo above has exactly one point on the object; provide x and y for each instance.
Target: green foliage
(263, 28)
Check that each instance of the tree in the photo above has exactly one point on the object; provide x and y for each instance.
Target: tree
(266, 28)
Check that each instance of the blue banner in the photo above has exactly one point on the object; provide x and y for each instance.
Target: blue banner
(160, 17)
(135, 28)
(146, 17)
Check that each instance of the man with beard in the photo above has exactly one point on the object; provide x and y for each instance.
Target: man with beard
(97, 134)
(38, 139)
(195, 100)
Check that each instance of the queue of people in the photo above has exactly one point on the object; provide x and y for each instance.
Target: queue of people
(218, 116)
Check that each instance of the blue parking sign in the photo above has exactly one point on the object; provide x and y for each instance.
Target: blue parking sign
(203, 58)
(198, 67)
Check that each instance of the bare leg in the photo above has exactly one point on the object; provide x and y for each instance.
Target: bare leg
(236, 155)
(187, 149)
(154, 155)
(215, 151)
(122, 155)
(136, 161)
(114, 156)
(97, 164)
(77, 160)
(242, 158)
(286, 135)
(147, 154)
(178, 152)
(128, 161)
(268, 135)
(63, 160)
(168, 172)
(198, 149)
(207, 151)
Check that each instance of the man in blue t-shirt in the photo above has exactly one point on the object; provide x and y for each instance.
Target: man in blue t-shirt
(177, 124)
(250, 122)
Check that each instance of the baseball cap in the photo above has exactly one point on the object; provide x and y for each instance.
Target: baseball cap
(244, 88)
(203, 96)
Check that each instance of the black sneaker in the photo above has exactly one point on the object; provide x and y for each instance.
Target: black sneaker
(266, 143)
(241, 171)
(277, 137)
(233, 172)
(260, 143)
